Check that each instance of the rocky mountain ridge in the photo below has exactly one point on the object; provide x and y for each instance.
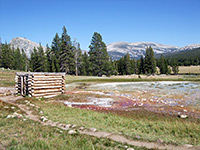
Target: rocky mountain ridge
(118, 49)
(25, 44)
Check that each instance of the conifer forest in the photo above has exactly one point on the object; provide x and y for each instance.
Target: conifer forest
(65, 55)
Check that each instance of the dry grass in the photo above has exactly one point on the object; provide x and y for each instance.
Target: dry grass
(189, 69)
(7, 78)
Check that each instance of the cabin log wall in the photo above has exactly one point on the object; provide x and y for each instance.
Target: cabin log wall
(40, 84)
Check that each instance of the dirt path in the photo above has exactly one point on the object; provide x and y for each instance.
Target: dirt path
(92, 132)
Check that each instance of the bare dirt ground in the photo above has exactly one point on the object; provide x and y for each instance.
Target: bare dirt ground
(29, 113)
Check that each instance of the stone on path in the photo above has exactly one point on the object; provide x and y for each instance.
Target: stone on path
(43, 119)
(130, 149)
(72, 132)
(92, 129)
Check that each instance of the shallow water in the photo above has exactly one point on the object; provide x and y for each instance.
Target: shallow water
(171, 97)
(168, 90)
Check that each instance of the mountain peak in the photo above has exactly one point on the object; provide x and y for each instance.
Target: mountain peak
(25, 44)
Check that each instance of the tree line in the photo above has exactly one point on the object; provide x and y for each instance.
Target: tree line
(65, 55)
(146, 65)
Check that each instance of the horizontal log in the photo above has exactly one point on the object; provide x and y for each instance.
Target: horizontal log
(43, 76)
(48, 84)
(46, 94)
(49, 96)
(46, 87)
(49, 79)
(46, 91)
(48, 74)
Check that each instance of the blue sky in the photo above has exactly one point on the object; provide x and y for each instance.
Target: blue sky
(173, 22)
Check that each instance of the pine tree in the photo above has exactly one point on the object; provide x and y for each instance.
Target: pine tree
(18, 60)
(175, 67)
(25, 61)
(84, 64)
(115, 67)
(127, 64)
(141, 67)
(7, 56)
(166, 65)
(133, 66)
(153, 61)
(42, 60)
(138, 66)
(197, 61)
(1, 47)
(34, 60)
(49, 58)
(121, 69)
(98, 55)
(66, 53)
(108, 67)
(55, 52)
(150, 63)
(162, 65)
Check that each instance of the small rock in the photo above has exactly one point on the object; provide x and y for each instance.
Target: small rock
(41, 112)
(183, 116)
(17, 115)
(184, 110)
(188, 145)
(60, 131)
(130, 148)
(160, 141)
(10, 116)
(28, 103)
(37, 107)
(92, 129)
(6, 107)
(73, 126)
(12, 107)
(81, 128)
(69, 105)
(72, 132)
(32, 105)
(43, 119)
(67, 126)
(137, 137)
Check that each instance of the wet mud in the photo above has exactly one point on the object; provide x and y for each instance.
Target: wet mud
(174, 98)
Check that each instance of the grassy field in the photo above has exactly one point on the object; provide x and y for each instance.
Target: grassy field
(7, 78)
(189, 69)
(30, 135)
(149, 126)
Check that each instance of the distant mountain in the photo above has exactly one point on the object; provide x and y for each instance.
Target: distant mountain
(25, 44)
(184, 54)
(118, 49)
(189, 47)
(115, 50)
